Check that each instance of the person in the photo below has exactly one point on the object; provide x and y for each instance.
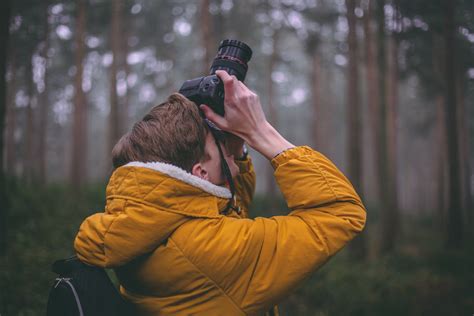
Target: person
(163, 231)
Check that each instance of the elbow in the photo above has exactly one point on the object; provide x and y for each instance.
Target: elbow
(355, 217)
(358, 216)
(360, 220)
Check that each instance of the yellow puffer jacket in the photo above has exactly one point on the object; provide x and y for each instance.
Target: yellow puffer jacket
(175, 254)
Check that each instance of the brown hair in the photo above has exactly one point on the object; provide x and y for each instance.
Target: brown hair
(172, 132)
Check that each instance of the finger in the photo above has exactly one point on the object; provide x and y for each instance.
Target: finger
(240, 87)
(229, 82)
(243, 86)
(222, 74)
(213, 116)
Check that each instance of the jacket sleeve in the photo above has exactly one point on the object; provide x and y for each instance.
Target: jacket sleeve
(258, 262)
(245, 185)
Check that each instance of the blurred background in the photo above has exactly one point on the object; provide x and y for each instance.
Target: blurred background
(383, 88)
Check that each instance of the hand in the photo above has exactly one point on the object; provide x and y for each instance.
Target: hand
(244, 118)
(243, 112)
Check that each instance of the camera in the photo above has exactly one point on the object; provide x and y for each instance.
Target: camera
(232, 56)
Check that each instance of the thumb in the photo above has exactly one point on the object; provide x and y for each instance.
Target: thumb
(212, 116)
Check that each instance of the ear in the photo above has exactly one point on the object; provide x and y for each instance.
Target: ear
(200, 171)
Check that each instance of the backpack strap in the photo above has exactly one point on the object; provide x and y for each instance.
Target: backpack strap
(74, 292)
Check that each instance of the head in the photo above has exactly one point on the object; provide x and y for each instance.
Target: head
(174, 132)
(210, 168)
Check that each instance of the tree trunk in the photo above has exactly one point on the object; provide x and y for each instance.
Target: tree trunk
(115, 39)
(79, 156)
(358, 247)
(382, 166)
(207, 36)
(454, 236)
(440, 162)
(29, 170)
(11, 114)
(372, 86)
(391, 228)
(4, 37)
(126, 68)
(44, 105)
(441, 193)
(464, 153)
(316, 99)
(272, 114)
(353, 113)
(328, 103)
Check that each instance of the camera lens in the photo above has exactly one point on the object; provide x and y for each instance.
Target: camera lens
(232, 56)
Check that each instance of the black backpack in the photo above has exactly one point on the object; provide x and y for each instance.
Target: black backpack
(83, 290)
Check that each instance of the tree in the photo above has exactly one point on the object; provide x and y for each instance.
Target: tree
(372, 79)
(4, 37)
(43, 101)
(30, 126)
(353, 101)
(11, 113)
(454, 236)
(465, 51)
(126, 69)
(358, 247)
(464, 151)
(207, 36)
(319, 17)
(452, 54)
(115, 39)
(383, 173)
(272, 109)
(391, 214)
(316, 99)
(437, 62)
(441, 161)
(79, 156)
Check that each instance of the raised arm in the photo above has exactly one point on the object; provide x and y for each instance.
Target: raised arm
(258, 262)
(268, 257)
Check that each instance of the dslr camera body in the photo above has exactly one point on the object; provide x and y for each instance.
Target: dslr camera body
(232, 56)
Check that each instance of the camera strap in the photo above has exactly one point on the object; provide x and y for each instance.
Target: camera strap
(228, 175)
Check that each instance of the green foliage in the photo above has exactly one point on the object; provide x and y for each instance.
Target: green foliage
(399, 284)
(418, 279)
(42, 223)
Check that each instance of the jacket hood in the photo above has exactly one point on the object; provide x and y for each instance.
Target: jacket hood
(145, 203)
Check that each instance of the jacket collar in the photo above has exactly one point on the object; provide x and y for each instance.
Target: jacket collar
(166, 188)
(180, 174)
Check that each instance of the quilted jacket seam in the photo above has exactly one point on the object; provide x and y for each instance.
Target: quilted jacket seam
(323, 175)
(208, 277)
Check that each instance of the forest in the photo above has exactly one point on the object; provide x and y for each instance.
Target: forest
(383, 88)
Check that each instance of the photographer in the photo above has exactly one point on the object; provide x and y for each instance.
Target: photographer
(163, 230)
